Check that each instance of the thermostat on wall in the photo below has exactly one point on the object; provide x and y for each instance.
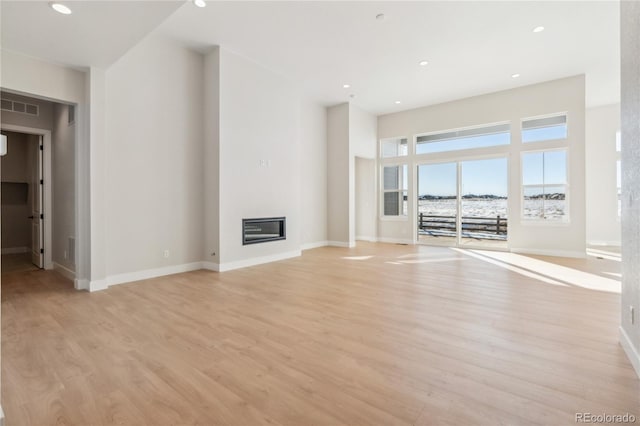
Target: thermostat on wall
(3, 144)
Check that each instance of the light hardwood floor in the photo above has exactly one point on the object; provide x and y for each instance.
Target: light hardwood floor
(377, 335)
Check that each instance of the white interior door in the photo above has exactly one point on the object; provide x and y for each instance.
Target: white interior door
(37, 214)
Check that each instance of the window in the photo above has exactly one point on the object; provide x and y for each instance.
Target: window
(479, 137)
(395, 147)
(544, 186)
(394, 188)
(544, 129)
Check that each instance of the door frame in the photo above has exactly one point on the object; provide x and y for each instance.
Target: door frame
(46, 190)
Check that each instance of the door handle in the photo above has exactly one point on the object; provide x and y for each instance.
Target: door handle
(30, 217)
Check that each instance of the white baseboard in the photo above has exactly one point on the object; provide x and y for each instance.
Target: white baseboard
(152, 273)
(366, 238)
(64, 271)
(15, 250)
(97, 285)
(258, 260)
(211, 266)
(604, 243)
(309, 246)
(555, 253)
(343, 244)
(81, 284)
(395, 240)
(630, 350)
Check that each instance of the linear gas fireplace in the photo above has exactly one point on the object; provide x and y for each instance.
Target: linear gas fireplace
(261, 230)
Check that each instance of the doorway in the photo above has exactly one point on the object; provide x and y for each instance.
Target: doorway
(463, 203)
(24, 201)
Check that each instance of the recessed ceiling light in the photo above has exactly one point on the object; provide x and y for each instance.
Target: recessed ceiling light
(398, 102)
(200, 3)
(515, 75)
(538, 29)
(346, 86)
(380, 16)
(60, 8)
(423, 63)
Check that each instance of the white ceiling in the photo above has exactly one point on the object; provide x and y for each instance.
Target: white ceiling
(472, 47)
(96, 33)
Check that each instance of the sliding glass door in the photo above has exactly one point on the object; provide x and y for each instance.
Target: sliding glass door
(483, 202)
(438, 203)
(463, 203)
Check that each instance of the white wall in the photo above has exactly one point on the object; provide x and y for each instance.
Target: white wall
(362, 144)
(365, 196)
(564, 95)
(313, 173)
(154, 168)
(338, 176)
(603, 223)
(630, 112)
(259, 120)
(63, 169)
(28, 75)
(211, 158)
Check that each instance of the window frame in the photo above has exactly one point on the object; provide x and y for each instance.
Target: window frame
(404, 191)
(567, 186)
(540, 117)
(507, 123)
(383, 140)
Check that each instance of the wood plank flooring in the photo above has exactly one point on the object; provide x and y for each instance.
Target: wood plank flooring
(376, 335)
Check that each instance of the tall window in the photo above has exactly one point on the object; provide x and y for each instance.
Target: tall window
(479, 137)
(544, 129)
(544, 186)
(394, 197)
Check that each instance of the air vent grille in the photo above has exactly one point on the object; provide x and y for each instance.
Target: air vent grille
(19, 107)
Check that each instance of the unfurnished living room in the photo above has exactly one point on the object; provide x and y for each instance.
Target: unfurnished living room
(320, 212)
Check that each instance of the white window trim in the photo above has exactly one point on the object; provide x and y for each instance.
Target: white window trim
(395, 157)
(399, 217)
(457, 129)
(557, 114)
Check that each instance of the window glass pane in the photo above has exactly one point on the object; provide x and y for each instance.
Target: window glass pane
(394, 147)
(555, 167)
(532, 168)
(391, 177)
(392, 203)
(544, 129)
(533, 205)
(555, 202)
(464, 139)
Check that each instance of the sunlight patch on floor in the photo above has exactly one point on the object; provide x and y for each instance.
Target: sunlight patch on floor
(510, 267)
(546, 271)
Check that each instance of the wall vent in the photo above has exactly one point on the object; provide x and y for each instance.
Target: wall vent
(19, 107)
